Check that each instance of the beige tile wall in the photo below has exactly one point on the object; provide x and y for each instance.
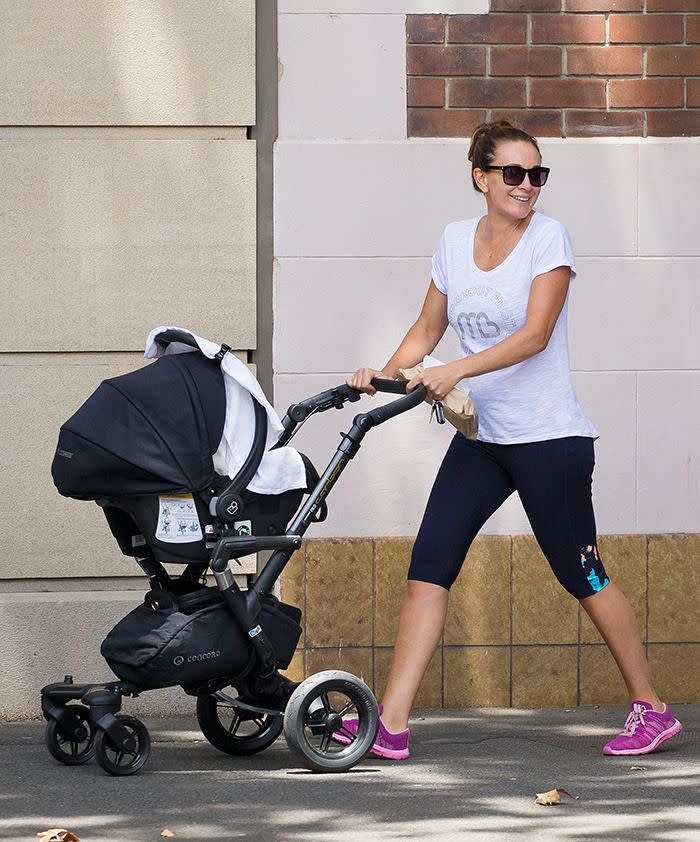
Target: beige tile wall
(513, 636)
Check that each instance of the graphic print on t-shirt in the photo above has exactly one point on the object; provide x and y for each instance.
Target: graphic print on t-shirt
(480, 313)
(477, 321)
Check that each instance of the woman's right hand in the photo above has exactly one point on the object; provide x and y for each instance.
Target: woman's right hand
(361, 379)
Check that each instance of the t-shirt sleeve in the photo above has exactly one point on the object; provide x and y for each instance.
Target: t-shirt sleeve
(552, 249)
(439, 269)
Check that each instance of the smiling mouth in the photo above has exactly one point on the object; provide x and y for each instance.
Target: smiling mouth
(521, 198)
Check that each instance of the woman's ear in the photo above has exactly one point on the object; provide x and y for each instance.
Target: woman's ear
(481, 180)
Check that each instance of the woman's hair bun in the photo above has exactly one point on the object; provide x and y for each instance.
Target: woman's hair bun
(483, 130)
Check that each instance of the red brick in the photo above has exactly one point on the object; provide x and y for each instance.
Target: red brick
(693, 32)
(425, 29)
(603, 123)
(486, 93)
(487, 29)
(441, 122)
(422, 91)
(446, 61)
(673, 61)
(693, 93)
(603, 61)
(525, 61)
(672, 5)
(536, 123)
(673, 123)
(568, 29)
(604, 5)
(646, 29)
(646, 93)
(525, 6)
(567, 93)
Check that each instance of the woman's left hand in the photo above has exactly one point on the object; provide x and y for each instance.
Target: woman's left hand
(438, 380)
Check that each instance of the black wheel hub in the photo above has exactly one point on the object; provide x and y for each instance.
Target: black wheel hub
(333, 722)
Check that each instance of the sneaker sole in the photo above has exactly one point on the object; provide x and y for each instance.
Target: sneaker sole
(654, 744)
(377, 751)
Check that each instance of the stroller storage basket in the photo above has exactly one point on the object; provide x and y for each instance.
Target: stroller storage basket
(193, 639)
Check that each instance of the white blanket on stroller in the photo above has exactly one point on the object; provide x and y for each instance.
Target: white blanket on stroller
(281, 469)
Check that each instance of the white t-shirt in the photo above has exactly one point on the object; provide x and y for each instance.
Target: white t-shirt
(532, 400)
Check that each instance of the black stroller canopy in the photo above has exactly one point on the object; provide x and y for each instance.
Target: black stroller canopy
(153, 430)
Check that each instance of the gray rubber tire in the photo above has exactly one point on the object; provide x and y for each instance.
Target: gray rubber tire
(297, 732)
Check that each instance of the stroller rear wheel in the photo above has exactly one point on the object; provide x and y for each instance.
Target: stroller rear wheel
(322, 705)
(75, 746)
(235, 730)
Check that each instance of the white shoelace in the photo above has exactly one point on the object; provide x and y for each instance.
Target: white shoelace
(634, 720)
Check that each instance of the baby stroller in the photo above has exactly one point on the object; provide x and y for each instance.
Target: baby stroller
(141, 447)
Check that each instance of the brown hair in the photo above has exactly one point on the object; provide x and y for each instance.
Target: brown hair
(486, 138)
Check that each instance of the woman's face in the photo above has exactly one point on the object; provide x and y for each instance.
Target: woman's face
(501, 198)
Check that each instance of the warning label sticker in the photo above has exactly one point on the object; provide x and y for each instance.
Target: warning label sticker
(177, 520)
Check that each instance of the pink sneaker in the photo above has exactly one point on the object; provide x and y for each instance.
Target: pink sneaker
(388, 745)
(644, 730)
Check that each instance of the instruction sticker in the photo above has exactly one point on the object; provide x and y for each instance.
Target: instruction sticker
(178, 522)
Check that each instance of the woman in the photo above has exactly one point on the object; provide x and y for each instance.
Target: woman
(502, 282)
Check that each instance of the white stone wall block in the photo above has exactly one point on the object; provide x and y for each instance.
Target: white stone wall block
(609, 399)
(635, 313)
(669, 452)
(375, 199)
(54, 536)
(592, 189)
(668, 190)
(384, 7)
(105, 237)
(125, 62)
(336, 315)
(342, 76)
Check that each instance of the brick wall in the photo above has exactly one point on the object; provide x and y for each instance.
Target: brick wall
(561, 68)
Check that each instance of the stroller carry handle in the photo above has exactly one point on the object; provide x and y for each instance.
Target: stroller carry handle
(167, 336)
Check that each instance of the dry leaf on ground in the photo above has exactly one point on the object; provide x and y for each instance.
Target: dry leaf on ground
(552, 797)
(57, 834)
(167, 832)
(638, 768)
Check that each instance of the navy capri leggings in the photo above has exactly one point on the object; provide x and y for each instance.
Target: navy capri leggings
(553, 479)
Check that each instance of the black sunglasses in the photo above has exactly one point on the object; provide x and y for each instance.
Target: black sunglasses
(513, 175)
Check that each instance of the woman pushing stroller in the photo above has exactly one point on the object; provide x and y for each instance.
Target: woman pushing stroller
(502, 281)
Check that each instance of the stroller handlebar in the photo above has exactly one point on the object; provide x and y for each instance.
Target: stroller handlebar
(382, 384)
(391, 410)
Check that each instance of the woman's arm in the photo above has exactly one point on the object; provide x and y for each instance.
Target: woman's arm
(547, 296)
(424, 334)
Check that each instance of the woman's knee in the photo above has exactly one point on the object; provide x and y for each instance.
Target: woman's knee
(431, 565)
(584, 578)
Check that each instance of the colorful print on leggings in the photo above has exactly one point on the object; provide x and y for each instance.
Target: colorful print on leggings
(592, 567)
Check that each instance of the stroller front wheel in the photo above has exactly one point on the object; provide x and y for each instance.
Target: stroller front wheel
(116, 760)
(71, 746)
(331, 703)
(235, 730)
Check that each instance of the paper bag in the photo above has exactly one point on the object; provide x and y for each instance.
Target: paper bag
(457, 405)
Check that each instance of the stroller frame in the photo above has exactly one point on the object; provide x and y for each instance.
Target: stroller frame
(266, 691)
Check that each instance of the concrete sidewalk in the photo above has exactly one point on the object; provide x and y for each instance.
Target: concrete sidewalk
(473, 775)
